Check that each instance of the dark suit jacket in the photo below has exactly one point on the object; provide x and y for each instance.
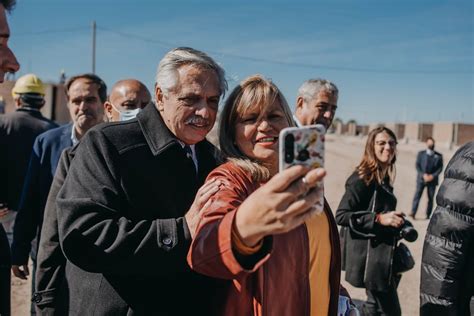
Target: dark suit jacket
(121, 221)
(43, 162)
(51, 261)
(18, 131)
(433, 167)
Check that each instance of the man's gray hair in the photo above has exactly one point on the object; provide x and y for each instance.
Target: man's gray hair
(311, 88)
(167, 72)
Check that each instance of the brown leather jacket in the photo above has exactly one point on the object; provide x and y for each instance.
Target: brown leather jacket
(274, 281)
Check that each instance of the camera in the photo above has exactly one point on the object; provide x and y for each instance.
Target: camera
(289, 148)
(408, 232)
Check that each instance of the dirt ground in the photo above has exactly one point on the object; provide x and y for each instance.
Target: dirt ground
(342, 155)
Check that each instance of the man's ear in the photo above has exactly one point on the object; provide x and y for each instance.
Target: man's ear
(159, 95)
(299, 103)
(108, 110)
(17, 102)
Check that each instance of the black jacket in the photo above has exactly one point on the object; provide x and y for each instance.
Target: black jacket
(447, 268)
(4, 273)
(367, 247)
(50, 264)
(429, 164)
(121, 221)
(18, 131)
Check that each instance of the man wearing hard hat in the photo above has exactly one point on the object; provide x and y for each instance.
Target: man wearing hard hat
(18, 131)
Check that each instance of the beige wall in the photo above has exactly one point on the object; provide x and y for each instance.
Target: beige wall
(351, 128)
(465, 133)
(443, 133)
(362, 130)
(411, 131)
(397, 128)
(61, 112)
(6, 93)
(426, 130)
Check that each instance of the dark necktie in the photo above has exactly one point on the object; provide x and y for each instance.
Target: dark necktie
(189, 155)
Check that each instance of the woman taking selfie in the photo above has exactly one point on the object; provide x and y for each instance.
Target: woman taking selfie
(260, 230)
(370, 225)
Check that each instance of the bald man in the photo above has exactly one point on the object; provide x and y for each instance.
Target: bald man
(127, 98)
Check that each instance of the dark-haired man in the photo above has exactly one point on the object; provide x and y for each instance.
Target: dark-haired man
(429, 164)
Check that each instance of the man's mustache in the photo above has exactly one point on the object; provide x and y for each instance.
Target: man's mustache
(197, 120)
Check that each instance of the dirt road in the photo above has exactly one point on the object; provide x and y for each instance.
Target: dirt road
(342, 155)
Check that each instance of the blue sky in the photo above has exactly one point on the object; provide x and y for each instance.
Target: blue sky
(400, 60)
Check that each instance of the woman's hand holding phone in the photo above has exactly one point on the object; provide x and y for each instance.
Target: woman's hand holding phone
(280, 205)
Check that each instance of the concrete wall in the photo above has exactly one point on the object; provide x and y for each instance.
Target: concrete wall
(61, 111)
(465, 133)
(397, 128)
(443, 133)
(362, 130)
(411, 131)
(426, 130)
(351, 128)
(374, 125)
(6, 93)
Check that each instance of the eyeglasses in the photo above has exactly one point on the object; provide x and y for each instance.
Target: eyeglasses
(382, 143)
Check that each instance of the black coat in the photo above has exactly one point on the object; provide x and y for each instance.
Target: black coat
(447, 267)
(50, 264)
(4, 273)
(18, 131)
(121, 221)
(367, 247)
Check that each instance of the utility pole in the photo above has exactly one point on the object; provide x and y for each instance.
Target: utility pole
(93, 46)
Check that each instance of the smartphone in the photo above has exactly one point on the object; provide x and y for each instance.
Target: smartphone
(303, 146)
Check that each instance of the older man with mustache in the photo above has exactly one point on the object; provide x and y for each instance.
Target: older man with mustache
(129, 205)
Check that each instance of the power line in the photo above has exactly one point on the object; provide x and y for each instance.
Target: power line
(51, 31)
(169, 45)
(293, 64)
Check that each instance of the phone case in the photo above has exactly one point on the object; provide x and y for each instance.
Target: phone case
(307, 149)
(309, 138)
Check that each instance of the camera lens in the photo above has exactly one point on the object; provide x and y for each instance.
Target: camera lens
(289, 148)
(408, 233)
(303, 155)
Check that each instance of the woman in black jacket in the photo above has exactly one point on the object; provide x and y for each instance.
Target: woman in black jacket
(447, 264)
(370, 225)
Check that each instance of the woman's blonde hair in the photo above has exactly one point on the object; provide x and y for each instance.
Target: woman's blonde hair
(254, 91)
(370, 168)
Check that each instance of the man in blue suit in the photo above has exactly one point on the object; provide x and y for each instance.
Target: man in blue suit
(429, 164)
(86, 95)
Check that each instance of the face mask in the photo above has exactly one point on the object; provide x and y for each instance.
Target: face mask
(127, 114)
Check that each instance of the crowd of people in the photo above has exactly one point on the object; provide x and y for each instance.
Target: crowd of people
(129, 210)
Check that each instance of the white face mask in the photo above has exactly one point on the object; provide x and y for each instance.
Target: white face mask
(127, 114)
